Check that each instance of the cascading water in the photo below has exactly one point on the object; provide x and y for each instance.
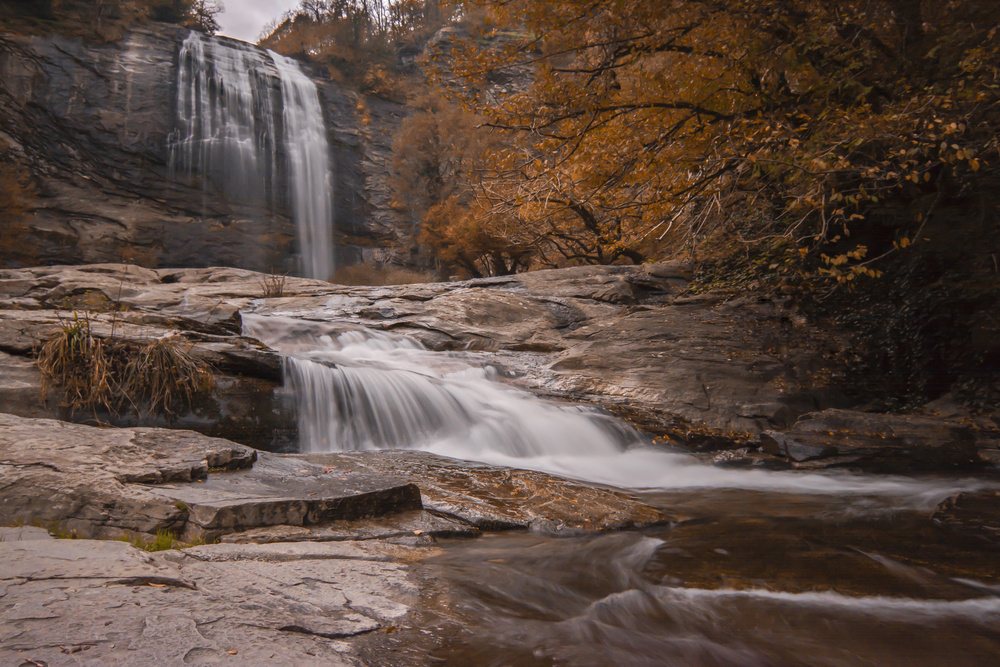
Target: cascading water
(310, 178)
(360, 389)
(226, 130)
(227, 134)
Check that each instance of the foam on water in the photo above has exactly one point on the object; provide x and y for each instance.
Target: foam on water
(361, 389)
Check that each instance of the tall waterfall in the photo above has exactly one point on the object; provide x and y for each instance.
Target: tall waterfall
(228, 134)
(225, 117)
(310, 178)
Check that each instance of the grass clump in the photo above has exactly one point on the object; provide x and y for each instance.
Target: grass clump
(112, 374)
(164, 541)
(272, 286)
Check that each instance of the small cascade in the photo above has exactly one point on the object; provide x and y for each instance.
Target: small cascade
(359, 389)
(228, 125)
(225, 116)
(310, 178)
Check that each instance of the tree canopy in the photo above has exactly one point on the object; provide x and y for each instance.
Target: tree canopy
(825, 132)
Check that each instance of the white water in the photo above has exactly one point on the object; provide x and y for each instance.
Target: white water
(225, 117)
(310, 178)
(227, 136)
(360, 389)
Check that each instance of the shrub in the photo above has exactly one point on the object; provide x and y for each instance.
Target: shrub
(112, 374)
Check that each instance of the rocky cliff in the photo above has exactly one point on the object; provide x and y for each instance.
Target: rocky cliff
(90, 122)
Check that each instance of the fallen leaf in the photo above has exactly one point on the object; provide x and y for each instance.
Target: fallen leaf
(157, 585)
(233, 652)
(418, 532)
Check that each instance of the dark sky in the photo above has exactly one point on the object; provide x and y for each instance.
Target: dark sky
(243, 19)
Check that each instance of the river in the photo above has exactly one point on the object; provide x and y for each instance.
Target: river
(756, 567)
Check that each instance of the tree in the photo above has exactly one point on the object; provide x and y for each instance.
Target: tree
(202, 16)
(652, 122)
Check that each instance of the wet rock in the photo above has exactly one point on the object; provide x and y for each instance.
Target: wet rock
(103, 482)
(618, 336)
(285, 491)
(198, 308)
(714, 366)
(978, 510)
(100, 482)
(498, 498)
(875, 442)
(416, 526)
(93, 602)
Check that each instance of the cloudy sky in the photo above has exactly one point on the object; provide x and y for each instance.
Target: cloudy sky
(243, 19)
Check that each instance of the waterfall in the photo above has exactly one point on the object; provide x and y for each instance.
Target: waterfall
(225, 117)
(227, 135)
(362, 389)
(310, 178)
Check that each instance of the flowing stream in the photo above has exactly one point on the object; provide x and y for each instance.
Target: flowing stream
(759, 567)
(232, 101)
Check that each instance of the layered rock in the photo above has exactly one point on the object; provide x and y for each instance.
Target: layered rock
(100, 482)
(698, 368)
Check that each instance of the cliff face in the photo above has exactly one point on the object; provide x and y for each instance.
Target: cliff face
(91, 122)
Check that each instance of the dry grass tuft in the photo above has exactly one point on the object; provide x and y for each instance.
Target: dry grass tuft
(272, 286)
(369, 274)
(112, 374)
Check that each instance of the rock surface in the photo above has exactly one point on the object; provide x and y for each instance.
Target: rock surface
(702, 368)
(100, 482)
(98, 603)
(875, 442)
(975, 510)
(497, 498)
(623, 337)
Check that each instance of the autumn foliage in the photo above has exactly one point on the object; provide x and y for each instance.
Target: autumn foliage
(822, 134)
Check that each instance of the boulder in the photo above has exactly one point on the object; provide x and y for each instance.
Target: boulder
(874, 442)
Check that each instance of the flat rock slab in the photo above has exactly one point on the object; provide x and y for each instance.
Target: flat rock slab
(875, 442)
(286, 491)
(99, 603)
(103, 482)
(498, 498)
(416, 527)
